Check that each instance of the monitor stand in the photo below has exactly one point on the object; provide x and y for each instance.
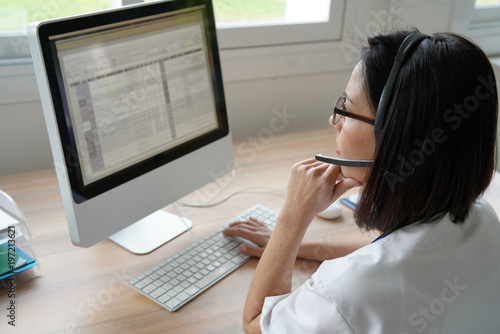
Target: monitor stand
(151, 232)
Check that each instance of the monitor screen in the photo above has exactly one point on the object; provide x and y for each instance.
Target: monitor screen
(135, 94)
(129, 91)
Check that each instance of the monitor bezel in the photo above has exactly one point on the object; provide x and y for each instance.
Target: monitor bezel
(80, 191)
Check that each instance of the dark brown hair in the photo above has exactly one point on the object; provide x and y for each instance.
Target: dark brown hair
(437, 149)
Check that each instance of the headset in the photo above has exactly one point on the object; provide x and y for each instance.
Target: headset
(403, 50)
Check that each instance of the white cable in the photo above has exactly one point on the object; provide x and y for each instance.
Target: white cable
(183, 221)
(208, 204)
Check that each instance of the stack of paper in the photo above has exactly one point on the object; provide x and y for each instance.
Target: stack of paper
(10, 260)
(13, 259)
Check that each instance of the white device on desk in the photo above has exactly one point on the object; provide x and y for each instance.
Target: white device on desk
(134, 106)
(332, 212)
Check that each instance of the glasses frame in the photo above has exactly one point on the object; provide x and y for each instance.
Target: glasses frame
(342, 112)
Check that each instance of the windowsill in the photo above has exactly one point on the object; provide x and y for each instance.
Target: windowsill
(8, 63)
(282, 61)
(488, 41)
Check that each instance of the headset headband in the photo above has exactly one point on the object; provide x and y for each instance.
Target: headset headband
(403, 50)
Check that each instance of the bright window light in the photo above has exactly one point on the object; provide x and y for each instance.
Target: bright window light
(486, 3)
(246, 13)
(16, 15)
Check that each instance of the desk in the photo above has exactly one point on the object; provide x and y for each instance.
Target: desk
(84, 290)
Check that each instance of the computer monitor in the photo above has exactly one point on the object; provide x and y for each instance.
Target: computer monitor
(135, 111)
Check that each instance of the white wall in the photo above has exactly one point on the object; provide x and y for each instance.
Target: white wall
(24, 144)
(300, 81)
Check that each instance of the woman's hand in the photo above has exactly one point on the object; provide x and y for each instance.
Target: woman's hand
(258, 232)
(313, 187)
(253, 230)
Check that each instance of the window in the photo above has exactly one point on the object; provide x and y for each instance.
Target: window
(479, 20)
(486, 13)
(486, 3)
(251, 23)
(286, 22)
(241, 23)
(16, 15)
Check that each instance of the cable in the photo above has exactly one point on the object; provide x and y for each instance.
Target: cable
(183, 221)
(208, 203)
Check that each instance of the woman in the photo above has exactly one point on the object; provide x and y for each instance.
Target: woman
(436, 266)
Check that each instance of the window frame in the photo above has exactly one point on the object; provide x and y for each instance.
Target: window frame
(14, 45)
(259, 35)
(480, 24)
(486, 16)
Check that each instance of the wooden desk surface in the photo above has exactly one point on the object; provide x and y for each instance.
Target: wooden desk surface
(85, 290)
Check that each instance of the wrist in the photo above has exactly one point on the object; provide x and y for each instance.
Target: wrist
(297, 213)
(292, 224)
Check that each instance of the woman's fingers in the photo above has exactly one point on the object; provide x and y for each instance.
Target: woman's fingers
(252, 230)
(251, 250)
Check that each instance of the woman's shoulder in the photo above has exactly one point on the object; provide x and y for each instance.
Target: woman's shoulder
(421, 239)
(415, 265)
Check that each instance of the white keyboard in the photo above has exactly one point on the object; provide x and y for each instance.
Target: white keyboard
(181, 277)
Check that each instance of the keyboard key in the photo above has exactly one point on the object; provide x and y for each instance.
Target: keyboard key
(158, 292)
(191, 290)
(213, 275)
(150, 288)
(182, 296)
(164, 298)
(238, 260)
(140, 285)
(173, 303)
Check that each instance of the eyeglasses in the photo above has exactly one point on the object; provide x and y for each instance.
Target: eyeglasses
(340, 110)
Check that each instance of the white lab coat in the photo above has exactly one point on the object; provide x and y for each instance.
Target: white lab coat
(424, 278)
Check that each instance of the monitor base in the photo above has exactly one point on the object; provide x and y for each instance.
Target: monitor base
(151, 232)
